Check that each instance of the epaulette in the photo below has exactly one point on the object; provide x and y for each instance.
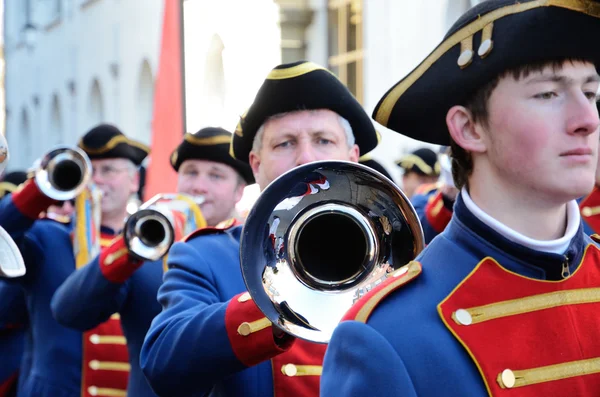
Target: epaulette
(218, 228)
(362, 309)
(426, 188)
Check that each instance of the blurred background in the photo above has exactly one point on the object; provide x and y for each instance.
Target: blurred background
(71, 64)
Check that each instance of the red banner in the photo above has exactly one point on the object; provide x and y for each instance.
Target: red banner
(167, 122)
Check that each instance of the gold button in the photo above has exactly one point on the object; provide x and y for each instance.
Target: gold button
(93, 390)
(94, 364)
(485, 48)
(290, 370)
(463, 317)
(508, 378)
(465, 59)
(244, 329)
(586, 211)
(95, 339)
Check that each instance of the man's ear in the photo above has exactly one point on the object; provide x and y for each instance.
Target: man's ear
(254, 160)
(354, 153)
(464, 131)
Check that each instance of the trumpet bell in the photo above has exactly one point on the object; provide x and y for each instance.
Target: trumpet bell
(149, 234)
(152, 229)
(321, 236)
(63, 172)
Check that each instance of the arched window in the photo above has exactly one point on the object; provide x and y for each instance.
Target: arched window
(95, 104)
(145, 104)
(213, 87)
(56, 124)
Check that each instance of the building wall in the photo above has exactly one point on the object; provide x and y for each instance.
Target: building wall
(92, 61)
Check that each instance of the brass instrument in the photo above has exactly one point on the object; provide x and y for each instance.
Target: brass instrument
(63, 172)
(152, 229)
(318, 238)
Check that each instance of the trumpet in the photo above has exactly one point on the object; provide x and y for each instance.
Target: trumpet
(153, 228)
(63, 172)
(321, 236)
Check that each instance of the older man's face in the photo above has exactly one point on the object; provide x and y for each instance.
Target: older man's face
(299, 138)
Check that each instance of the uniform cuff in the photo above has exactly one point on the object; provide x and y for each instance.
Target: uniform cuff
(250, 332)
(115, 262)
(30, 201)
(437, 214)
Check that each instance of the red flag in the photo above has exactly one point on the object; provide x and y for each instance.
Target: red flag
(167, 120)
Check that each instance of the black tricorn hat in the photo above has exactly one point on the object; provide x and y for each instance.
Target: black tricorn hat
(374, 164)
(302, 86)
(423, 161)
(11, 181)
(210, 143)
(489, 39)
(106, 141)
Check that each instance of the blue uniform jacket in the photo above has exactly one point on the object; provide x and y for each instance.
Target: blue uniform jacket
(210, 337)
(56, 359)
(404, 349)
(57, 355)
(13, 320)
(187, 351)
(99, 298)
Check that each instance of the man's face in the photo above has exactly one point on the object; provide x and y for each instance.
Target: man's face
(299, 138)
(218, 183)
(118, 180)
(411, 181)
(542, 133)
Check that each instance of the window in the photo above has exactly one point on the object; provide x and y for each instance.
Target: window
(345, 43)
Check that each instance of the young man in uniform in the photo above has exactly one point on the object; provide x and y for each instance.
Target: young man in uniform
(503, 302)
(210, 337)
(117, 282)
(65, 362)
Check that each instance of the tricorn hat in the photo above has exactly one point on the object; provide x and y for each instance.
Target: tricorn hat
(302, 86)
(106, 141)
(210, 143)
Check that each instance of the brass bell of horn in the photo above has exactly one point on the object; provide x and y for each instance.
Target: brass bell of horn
(318, 238)
(63, 172)
(150, 231)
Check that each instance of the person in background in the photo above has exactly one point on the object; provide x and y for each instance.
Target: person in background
(65, 362)
(119, 282)
(419, 167)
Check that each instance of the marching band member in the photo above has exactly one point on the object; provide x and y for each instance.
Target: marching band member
(421, 167)
(210, 337)
(118, 282)
(66, 362)
(503, 301)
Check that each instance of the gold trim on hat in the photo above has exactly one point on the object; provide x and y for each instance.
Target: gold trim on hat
(295, 71)
(389, 101)
(412, 159)
(207, 141)
(112, 143)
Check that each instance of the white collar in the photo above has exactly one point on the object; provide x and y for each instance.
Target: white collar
(558, 246)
